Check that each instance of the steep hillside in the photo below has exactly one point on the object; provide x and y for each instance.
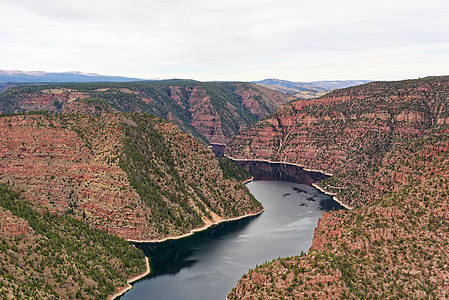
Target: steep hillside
(211, 112)
(48, 256)
(347, 130)
(388, 145)
(132, 175)
(395, 247)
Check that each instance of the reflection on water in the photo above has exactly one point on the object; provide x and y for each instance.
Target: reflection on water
(278, 171)
(171, 256)
(208, 264)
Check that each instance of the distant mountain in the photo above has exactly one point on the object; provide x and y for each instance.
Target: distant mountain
(213, 112)
(338, 84)
(17, 76)
(307, 90)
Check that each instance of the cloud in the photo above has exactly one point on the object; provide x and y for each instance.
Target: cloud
(227, 40)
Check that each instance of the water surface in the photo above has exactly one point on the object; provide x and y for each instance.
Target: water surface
(208, 264)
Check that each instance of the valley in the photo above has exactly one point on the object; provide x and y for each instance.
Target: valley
(386, 144)
(89, 155)
(210, 112)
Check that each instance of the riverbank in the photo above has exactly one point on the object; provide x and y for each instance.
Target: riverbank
(281, 162)
(333, 196)
(193, 231)
(305, 169)
(248, 180)
(124, 289)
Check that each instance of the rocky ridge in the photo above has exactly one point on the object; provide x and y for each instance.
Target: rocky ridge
(393, 244)
(211, 112)
(347, 128)
(134, 176)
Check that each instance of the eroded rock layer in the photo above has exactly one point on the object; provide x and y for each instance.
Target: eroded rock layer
(394, 243)
(347, 128)
(211, 112)
(134, 176)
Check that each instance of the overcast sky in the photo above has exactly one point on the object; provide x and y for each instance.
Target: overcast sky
(298, 40)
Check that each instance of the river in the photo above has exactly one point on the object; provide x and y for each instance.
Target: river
(208, 264)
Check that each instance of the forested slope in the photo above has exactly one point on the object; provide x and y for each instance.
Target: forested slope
(212, 112)
(387, 144)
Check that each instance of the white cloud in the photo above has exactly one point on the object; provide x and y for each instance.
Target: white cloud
(228, 40)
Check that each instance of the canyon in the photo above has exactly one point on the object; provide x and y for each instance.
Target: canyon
(210, 112)
(386, 145)
(110, 177)
(90, 153)
(134, 176)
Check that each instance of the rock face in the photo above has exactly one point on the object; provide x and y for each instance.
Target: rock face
(347, 128)
(11, 225)
(134, 176)
(393, 244)
(211, 112)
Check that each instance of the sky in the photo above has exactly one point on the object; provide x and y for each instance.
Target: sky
(229, 40)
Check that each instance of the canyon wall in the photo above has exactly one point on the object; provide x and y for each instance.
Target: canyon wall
(393, 244)
(211, 112)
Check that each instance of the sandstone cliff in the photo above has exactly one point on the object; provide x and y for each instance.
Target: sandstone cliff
(211, 112)
(347, 128)
(134, 176)
(393, 244)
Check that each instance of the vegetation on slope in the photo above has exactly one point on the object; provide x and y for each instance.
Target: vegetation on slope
(132, 175)
(232, 170)
(211, 112)
(59, 256)
(393, 248)
(179, 179)
(393, 245)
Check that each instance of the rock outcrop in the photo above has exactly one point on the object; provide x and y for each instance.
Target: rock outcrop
(11, 225)
(134, 176)
(393, 244)
(211, 112)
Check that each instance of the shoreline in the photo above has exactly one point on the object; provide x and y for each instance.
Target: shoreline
(193, 231)
(281, 162)
(248, 180)
(305, 169)
(333, 196)
(124, 289)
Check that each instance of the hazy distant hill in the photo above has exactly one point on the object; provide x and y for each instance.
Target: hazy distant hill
(307, 90)
(41, 76)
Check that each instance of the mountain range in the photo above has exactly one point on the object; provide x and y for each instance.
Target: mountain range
(307, 90)
(18, 76)
(212, 112)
